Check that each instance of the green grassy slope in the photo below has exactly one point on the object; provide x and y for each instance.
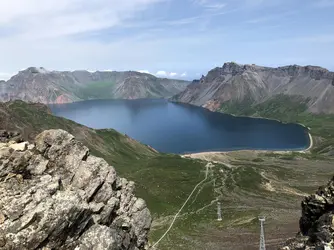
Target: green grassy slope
(166, 180)
(163, 180)
(97, 90)
(290, 109)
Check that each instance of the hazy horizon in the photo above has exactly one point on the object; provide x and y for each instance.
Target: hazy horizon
(168, 38)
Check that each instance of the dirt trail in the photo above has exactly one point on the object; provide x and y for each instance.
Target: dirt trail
(177, 214)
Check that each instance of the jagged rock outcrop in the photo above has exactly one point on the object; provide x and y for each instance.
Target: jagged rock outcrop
(6, 136)
(317, 221)
(255, 84)
(55, 195)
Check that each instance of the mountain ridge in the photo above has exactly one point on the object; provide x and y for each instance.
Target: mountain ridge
(237, 82)
(36, 84)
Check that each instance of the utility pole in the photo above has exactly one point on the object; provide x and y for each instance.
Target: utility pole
(262, 241)
(219, 211)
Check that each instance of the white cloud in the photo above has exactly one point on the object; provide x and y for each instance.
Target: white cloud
(53, 18)
(184, 74)
(215, 6)
(144, 71)
(161, 73)
(41, 34)
(210, 4)
(257, 20)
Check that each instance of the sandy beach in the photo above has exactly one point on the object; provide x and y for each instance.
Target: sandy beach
(211, 153)
(198, 155)
(311, 143)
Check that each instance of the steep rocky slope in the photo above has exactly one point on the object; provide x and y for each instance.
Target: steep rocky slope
(31, 119)
(254, 84)
(317, 221)
(55, 195)
(40, 85)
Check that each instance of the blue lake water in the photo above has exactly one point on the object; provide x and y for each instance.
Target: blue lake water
(182, 128)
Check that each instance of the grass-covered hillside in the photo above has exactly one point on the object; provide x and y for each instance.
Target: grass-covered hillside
(247, 183)
(153, 172)
(290, 109)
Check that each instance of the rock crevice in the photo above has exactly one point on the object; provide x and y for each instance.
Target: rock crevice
(55, 195)
(317, 221)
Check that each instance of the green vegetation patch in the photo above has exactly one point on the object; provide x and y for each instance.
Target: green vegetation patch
(289, 109)
(100, 90)
(165, 181)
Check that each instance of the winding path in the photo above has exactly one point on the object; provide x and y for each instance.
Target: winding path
(178, 213)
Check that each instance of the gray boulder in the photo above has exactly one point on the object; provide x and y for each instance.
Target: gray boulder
(55, 195)
(317, 221)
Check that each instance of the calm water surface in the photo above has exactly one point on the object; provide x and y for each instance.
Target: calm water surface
(181, 128)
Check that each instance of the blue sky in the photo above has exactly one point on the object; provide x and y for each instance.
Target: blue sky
(173, 38)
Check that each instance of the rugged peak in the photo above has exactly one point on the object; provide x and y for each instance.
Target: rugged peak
(35, 70)
(314, 72)
(317, 221)
(232, 66)
(307, 68)
(55, 195)
(235, 68)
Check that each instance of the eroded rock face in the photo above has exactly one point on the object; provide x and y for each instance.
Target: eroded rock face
(55, 195)
(317, 221)
(6, 136)
(252, 84)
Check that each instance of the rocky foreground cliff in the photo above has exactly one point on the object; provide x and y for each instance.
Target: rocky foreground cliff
(252, 84)
(317, 221)
(40, 85)
(55, 195)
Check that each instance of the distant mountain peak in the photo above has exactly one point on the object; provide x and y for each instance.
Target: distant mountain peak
(35, 70)
(233, 68)
(36, 84)
(239, 82)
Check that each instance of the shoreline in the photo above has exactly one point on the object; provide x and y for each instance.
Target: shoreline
(304, 151)
(242, 116)
(308, 149)
(311, 142)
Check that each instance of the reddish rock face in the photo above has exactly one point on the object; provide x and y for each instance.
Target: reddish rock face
(62, 99)
(212, 105)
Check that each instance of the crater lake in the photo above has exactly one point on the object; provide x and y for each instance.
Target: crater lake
(181, 128)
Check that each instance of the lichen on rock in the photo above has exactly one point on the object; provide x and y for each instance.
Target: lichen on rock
(317, 221)
(55, 195)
